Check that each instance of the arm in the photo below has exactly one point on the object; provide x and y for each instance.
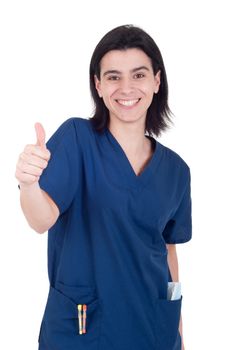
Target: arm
(173, 267)
(39, 209)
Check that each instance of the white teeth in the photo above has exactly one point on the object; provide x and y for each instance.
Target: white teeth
(128, 103)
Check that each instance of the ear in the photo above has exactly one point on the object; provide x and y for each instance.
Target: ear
(157, 82)
(97, 85)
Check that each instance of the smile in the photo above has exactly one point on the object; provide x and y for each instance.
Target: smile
(128, 103)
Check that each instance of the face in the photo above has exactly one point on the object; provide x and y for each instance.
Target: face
(127, 83)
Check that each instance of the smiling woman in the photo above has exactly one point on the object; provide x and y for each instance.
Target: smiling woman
(122, 202)
(128, 92)
(125, 62)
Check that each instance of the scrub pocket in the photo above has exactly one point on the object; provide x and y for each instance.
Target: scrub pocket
(60, 325)
(167, 319)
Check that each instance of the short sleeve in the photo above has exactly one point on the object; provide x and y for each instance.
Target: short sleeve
(179, 228)
(60, 179)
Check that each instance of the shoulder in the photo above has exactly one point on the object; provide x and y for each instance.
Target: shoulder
(81, 125)
(80, 131)
(67, 132)
(76, 125)
(175, 164)
(73, 122)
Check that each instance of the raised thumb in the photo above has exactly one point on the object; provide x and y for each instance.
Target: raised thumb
(40, 135)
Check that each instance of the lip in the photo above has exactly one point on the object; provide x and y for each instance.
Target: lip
(131, 99)
(128, 99)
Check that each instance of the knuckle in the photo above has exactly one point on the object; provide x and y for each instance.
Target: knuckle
(48, 154)
(23, 156)
(27, 148)
(18, 168)
(18, 174)
(39, 172)
(45, 164)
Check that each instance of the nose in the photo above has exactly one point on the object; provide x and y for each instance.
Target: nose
(126, 85)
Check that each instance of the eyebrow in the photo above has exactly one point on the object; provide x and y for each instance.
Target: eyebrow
(114, 71)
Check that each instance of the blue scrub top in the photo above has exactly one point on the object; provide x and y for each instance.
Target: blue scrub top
(107, 249)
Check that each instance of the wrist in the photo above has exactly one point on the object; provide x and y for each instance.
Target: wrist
(28, 187)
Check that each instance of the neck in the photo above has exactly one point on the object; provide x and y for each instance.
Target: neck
(131, 136)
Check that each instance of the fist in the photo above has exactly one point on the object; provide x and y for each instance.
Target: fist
(33, 160)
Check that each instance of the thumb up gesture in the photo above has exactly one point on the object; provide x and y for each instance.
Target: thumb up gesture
(40, 135)
(33, 160)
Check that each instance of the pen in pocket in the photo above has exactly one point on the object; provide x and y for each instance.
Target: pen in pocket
(82, 317)
(79, 307)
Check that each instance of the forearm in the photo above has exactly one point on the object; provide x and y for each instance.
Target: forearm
(36, 207)
(174, 271)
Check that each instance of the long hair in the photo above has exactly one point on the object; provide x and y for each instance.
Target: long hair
(122, 38)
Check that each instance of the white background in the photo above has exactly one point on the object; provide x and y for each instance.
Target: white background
(45, 52)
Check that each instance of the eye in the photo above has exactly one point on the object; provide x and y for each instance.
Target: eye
(139, 75)
(113, 77)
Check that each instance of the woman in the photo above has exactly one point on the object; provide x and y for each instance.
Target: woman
(115, 201)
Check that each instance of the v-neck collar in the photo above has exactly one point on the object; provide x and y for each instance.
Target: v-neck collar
(131, 179)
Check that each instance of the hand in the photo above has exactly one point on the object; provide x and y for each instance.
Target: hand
(33, 160)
